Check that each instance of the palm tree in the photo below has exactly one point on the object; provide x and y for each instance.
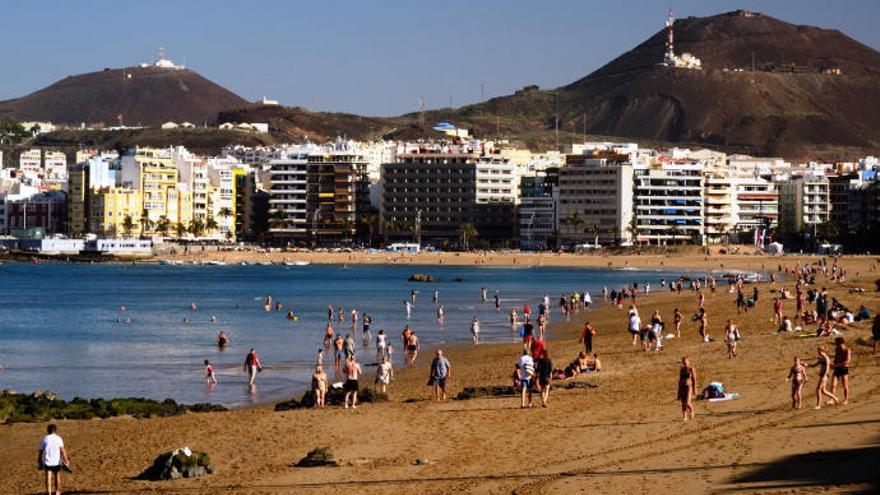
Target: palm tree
(388, 226)
(163, 225)
(225, 212)
(211, 225)
(346, 225)
(633, 229)
(127, 225)
(180, 229)
(146, 223)
(594, 230)
(467, 232)
(278, 220)
(575, 222)
(197, 227)
(369, 219)
(674, 232)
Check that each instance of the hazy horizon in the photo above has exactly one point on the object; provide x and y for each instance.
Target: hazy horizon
(362, 58)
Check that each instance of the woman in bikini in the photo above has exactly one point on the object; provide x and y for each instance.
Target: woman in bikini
(798, 377)
(687, 384)
(824, 365)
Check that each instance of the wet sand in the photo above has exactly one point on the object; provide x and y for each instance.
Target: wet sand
(624, 435)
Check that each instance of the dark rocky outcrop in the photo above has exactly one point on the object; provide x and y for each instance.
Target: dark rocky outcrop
(181, 463)
(322, 456)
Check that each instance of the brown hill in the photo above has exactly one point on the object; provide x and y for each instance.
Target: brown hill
(788, 105)
(142, 95)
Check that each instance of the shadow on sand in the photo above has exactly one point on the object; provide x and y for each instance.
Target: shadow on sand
(817, 469)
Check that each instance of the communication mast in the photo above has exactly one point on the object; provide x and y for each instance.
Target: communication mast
(670, 45)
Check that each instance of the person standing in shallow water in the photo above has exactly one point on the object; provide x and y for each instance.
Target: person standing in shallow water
(252, 366)
(687, 386)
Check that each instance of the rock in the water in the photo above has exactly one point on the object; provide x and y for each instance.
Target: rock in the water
(421, 277)
(181, 463)
(322, 456)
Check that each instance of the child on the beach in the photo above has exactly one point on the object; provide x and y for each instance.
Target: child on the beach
(798, 377)
(210, 377)
(731, 335)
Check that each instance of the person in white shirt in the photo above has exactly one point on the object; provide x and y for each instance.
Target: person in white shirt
(52, 458)
(526, 367)
(635, 327)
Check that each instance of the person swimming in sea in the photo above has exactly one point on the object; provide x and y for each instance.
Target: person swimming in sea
(222, 340)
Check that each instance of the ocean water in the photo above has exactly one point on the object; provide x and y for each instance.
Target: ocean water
(61, 328)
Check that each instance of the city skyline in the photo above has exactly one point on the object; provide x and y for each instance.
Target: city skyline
(365, 64)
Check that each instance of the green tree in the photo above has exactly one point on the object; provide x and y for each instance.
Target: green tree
(211, 224)
(163, 225)
(197, 227)
(388, 226)
(127, 225)
(633, 229)
(180, 229)
(369, 220)
(346, 226)
(11, 132)
(467, 233)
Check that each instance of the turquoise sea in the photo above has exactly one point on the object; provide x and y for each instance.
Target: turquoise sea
(61, 328)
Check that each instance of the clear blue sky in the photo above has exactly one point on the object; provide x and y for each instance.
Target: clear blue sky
(368, 57)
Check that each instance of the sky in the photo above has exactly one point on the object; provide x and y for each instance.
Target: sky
(366, 57)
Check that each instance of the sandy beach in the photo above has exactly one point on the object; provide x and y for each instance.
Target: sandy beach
(624, 435)
(694, 258)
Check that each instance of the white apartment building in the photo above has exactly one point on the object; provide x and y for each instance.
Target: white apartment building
(720, 209)
(669, 200)
(804, 202)
(497, 180)
(756, 204)
(595, 200)
(288, 194)
(55, 165)
(31, 160)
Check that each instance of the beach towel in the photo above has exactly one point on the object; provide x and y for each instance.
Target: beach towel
(726, 397)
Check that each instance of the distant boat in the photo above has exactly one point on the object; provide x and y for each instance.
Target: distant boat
(302, 263)
(170, 262)
(214, 263)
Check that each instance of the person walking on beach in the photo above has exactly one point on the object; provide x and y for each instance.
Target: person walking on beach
(731, 335)
(349, 345)
(842, 358)
(687, 386)
(704, 324)
(587, 335)
(544, 372)
(441, 370)
(635, 326)
(824, 365)
(252, 366)
(319, 385)
(412, 348)
(384, 373)
(526, 366)
(677, 318)
(52, 458)
(777, 311)
(352, 374)
(436, 297)
(210, 377)
(328, 336)
(797, 375)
